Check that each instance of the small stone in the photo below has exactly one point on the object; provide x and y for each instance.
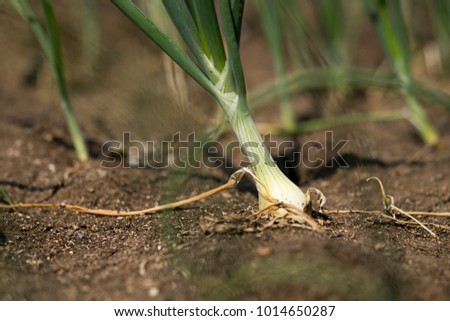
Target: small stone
(79, 234)
(264, 251)
(101, 173)
(52, 168)
(48, 137)
(379, 246)
(438, 177)
(153, 291)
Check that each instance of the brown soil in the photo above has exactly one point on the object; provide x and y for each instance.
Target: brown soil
(57, 255)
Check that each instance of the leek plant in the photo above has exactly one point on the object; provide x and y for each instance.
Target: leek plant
(219, 71)
(48, 38)
(388, 20)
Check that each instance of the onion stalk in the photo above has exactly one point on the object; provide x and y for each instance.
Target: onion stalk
(219, 71)
(388, 21)
(49, 40)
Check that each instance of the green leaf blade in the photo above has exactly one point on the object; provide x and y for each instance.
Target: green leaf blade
(27, 13)
(237, 12)
(181, 16)
(231, 22)
(164, 42)
(204, 14)
(5, 198)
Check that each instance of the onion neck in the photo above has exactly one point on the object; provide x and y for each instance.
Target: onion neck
(273, 186)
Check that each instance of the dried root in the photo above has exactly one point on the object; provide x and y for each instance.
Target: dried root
(392, 210)
(233, 181)
(275, 215)
(392, 213)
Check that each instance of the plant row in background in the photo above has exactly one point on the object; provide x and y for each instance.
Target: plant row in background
(323, 59)
(308, 54)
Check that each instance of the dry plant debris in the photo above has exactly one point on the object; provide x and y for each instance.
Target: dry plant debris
(276, 215)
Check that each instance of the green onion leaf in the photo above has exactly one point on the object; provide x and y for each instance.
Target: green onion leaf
(165, 43)
(231, 23)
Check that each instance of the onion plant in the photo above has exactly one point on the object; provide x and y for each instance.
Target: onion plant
(322, 60)
(319, 78)
(215, 64)
(48, 38)
(297, 35)
(90, 33)
(331, 42)
(175, 77)
(388, 20)
(269, 12)
(331, 17)
(441, 10)
(326, 50)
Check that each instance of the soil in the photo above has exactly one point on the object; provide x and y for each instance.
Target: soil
(175, 255)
